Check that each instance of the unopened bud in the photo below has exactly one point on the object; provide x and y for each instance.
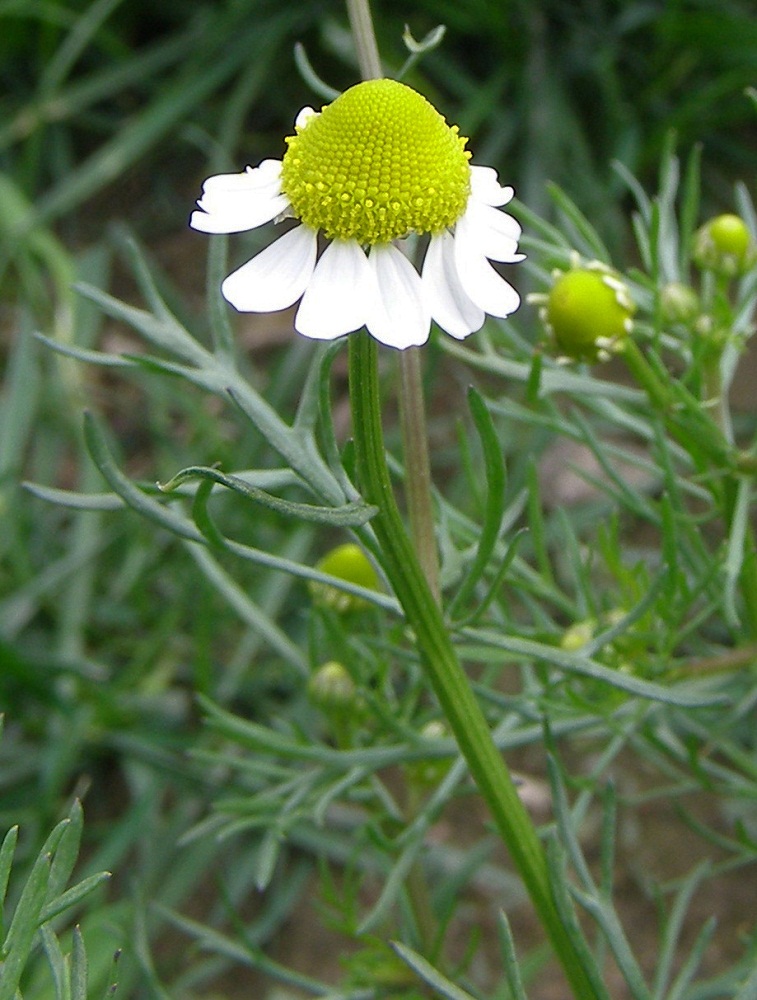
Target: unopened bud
(725, 245)
(679, 302)
(346, 562)
(429, 772)
(588, 313)
(331, 688)
(576, 636)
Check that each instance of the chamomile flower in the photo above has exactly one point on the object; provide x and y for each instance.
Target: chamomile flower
(371, 171)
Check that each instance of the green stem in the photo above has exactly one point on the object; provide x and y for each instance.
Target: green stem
(712, 441)
(700, 430)
(748, 579)
(412, 412)
(748, 571)
(418, 893)
(443, 669)
(647, 379)
(418, 467)
(415, 442)
(714, 396)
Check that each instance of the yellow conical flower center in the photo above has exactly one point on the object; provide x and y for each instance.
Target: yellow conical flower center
(378, 163)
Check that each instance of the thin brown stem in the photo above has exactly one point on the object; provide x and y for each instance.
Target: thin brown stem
(418, 466)
(361, 23)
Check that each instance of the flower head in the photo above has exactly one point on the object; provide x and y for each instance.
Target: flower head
(587, 312)
(725, 245)
(370, 170)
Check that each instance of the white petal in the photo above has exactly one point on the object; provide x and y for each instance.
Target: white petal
(485, 186)
(495, 233)
(399, 316)
(277, 276)
(481, 282)
(338, 297)
(304, 117)
(446, 298)
(267, 172)
(233, 203)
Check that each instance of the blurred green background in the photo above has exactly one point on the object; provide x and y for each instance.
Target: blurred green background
(111, 114)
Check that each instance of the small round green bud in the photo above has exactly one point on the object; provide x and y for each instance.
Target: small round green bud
(346, 562)
(429, 772)
(434, 730)
(331, 688)
(724, 245)
(679, 302)
(576, 637)
(729, 234)
(613, 617)
(588, 313)
(715, 334)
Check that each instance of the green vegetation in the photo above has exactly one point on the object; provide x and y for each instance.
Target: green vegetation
(162, 648)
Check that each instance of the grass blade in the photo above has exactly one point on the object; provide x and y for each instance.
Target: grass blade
(430, 975)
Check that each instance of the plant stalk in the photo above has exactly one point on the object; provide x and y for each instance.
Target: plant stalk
(361, 23)
(715, 397)
(412, 412)
(443, 669)
(423, 614)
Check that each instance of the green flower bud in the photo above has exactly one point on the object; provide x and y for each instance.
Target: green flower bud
(724, 245)
(331, 688)
(347, 562)
(714, 333)
(576, 637)
(428, 773)
(588, 313)
(679, 302)
(434, 730)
